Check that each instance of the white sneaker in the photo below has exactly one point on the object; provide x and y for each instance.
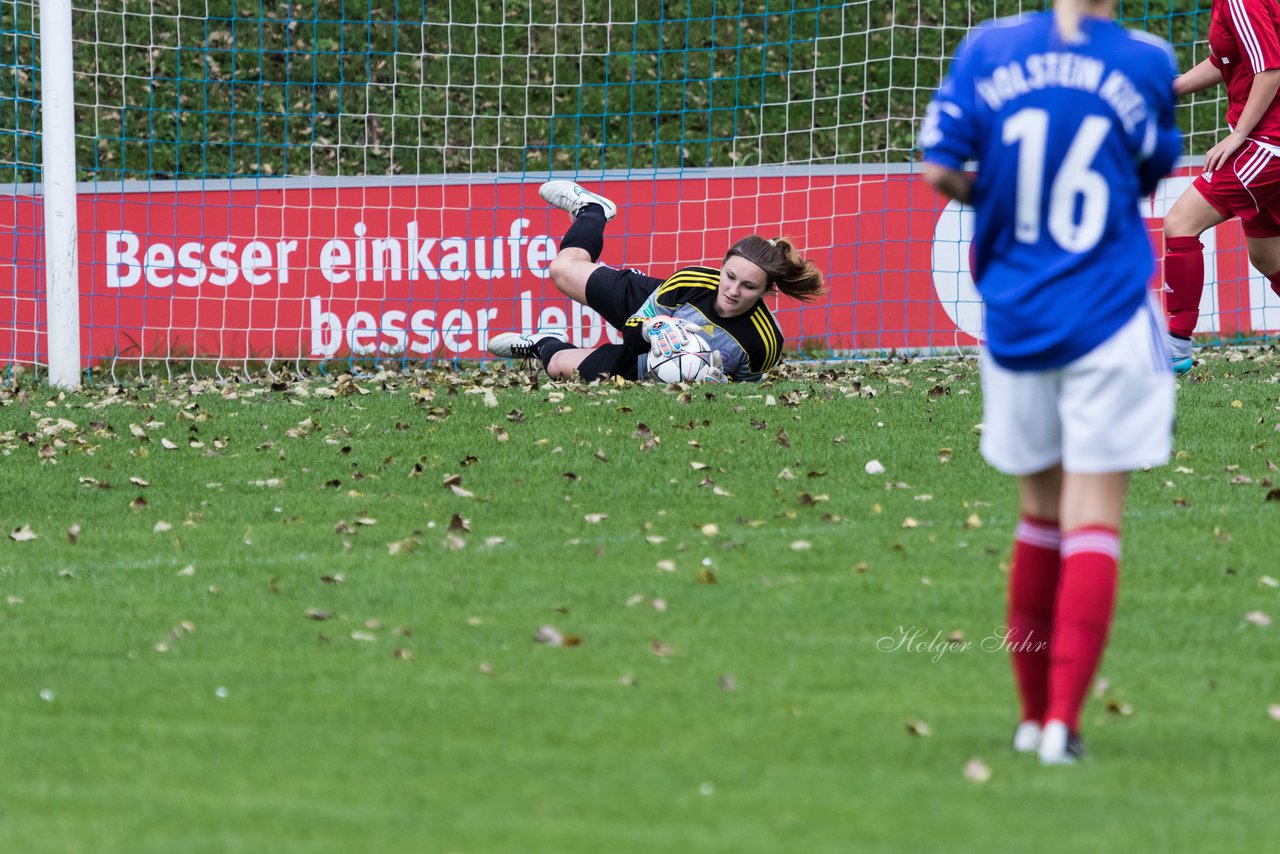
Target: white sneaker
(1026, 738)
(515, 345)
(571, 197)
(1060, 746)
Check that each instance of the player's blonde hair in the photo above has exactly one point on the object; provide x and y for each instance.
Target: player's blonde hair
(1067, 13)
(795, 276)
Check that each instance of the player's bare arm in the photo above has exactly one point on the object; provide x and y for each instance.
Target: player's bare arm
(952, 183)
(1197, 79)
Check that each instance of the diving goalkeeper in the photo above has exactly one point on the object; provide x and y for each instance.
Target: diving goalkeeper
(725, 305)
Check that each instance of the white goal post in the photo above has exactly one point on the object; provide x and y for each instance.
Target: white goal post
(62, 282)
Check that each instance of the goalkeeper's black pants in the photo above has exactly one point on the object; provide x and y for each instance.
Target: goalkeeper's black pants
(609, 360)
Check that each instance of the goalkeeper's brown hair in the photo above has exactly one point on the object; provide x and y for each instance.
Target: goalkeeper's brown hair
(793, 275)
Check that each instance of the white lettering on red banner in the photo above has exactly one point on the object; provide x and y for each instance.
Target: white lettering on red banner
(432, 271)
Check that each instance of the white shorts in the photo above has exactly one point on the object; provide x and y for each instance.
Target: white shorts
(1111, 410)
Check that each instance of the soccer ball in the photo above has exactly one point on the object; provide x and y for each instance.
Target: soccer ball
(692, 363)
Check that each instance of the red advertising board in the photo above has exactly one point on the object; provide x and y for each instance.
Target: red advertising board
(299, 270)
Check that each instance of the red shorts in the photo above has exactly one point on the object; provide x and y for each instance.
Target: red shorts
(1248, 188)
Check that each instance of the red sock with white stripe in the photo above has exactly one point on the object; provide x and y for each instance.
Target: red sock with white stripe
(1082, 617)
(1033, 585)
(1184, 282)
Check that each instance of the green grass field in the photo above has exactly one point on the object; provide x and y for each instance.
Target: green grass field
(310, 623)
(467, 612)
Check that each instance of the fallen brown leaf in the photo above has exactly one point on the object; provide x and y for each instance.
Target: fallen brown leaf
(919, 728)
(1258, 618)
(977, 771)
(660, 649)
(405, 546)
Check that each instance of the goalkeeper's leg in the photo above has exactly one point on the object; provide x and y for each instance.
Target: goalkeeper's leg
(610, 360)
(562, 364)
(570, 270)
(562, 360)
(582, 244)
(566, 363)
(576, 272)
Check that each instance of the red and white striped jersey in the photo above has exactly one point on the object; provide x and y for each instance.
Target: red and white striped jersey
(1244, 40)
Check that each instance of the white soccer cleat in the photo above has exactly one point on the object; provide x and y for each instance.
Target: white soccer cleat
(516, 345)
(1060, 746)
(511, 345)
(570, 196)
(1026, 738)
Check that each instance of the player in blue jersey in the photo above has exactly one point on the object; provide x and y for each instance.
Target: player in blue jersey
(1070, 119)
(724, 305)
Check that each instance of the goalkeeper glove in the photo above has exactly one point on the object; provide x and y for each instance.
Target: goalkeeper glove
(667, 334)
(716, 374)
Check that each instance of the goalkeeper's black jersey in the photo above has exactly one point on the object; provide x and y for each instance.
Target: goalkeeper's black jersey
(751, 343)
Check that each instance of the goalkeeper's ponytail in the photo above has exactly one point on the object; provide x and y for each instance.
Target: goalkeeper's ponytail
(793, 275)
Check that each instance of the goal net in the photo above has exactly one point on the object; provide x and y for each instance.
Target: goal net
(332, 180)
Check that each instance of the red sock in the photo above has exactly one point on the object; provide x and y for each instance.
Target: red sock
(1184, 282)
(1082, 616)
(1033, 584)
